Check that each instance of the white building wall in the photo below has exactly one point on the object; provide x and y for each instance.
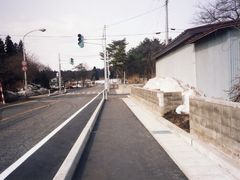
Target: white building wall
(179, 64)
(213, 66)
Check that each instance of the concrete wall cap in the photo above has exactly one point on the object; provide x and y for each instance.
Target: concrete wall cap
(156, 90)
(216, 101)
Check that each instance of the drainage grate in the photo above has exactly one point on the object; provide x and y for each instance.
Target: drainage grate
(161, 132)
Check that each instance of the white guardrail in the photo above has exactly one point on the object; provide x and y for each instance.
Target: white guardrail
(70, 163)
(68, 167)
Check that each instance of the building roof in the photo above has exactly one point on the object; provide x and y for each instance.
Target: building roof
(194, 34)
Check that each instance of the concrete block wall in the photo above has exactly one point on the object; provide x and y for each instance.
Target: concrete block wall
(148, 95)
(216, 122)
(172, 100)
(147, 98)
(158, 101)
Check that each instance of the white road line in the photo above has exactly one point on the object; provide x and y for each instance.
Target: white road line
(17, 163)
(71, 161)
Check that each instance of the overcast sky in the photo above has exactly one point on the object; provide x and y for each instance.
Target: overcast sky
(64, 19)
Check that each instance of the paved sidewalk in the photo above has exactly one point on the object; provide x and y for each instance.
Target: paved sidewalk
(121, 148)
(182, 149)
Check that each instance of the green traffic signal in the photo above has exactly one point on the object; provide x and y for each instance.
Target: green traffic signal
(71, 61)
(80, 40)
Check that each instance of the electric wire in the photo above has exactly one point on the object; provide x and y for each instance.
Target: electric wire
(135, 17)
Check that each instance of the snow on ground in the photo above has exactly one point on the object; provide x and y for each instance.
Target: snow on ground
(168, 84)
(165, 84)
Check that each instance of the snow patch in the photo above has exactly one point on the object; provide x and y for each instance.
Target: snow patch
(164, 84)
(168, 84)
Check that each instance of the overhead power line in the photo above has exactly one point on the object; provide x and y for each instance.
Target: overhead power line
(83, 56)
(93, 43)
(134, 17)
(139, 34)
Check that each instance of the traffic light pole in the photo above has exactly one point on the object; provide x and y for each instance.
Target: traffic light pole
(105, 60)
(108, 73)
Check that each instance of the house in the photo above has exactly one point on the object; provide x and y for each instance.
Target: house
(206, 57)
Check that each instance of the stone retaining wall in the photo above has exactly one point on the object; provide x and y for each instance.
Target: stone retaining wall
(157, 101)
(216, 122)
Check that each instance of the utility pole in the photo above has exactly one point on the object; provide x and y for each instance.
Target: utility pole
(108, 72)
(105, 59)
(59, 74)
(166, 6)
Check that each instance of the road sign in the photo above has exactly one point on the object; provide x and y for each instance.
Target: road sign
(24, 68)
(24, 63)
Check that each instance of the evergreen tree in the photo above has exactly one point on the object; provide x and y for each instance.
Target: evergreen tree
(10, 47)
(15, 48)
(11, 73)
(2, 56)
(20, 47)
(2, 48)
(95, 74)
(117, 55)
(140, 59)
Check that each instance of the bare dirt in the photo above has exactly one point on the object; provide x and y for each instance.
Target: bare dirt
(181, 120)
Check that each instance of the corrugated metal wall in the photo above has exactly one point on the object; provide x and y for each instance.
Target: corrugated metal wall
(234, 57)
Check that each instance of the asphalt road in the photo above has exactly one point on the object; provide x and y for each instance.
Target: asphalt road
(24, 125)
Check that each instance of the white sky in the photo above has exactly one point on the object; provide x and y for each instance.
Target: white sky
(68, 18)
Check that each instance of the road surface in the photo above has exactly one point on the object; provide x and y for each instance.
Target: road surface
(24, 125)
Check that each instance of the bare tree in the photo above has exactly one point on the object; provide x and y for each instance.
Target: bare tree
(234, 92)
(82, 72)
(218, 11)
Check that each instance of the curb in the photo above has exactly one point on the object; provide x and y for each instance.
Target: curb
(69, 165)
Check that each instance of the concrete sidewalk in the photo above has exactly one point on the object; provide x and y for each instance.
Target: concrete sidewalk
(193, 158)
(121, 148)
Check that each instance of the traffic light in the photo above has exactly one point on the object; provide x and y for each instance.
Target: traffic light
(80, 40)
(71, 61)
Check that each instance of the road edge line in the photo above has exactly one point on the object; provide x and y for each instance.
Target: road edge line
(70, 163)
